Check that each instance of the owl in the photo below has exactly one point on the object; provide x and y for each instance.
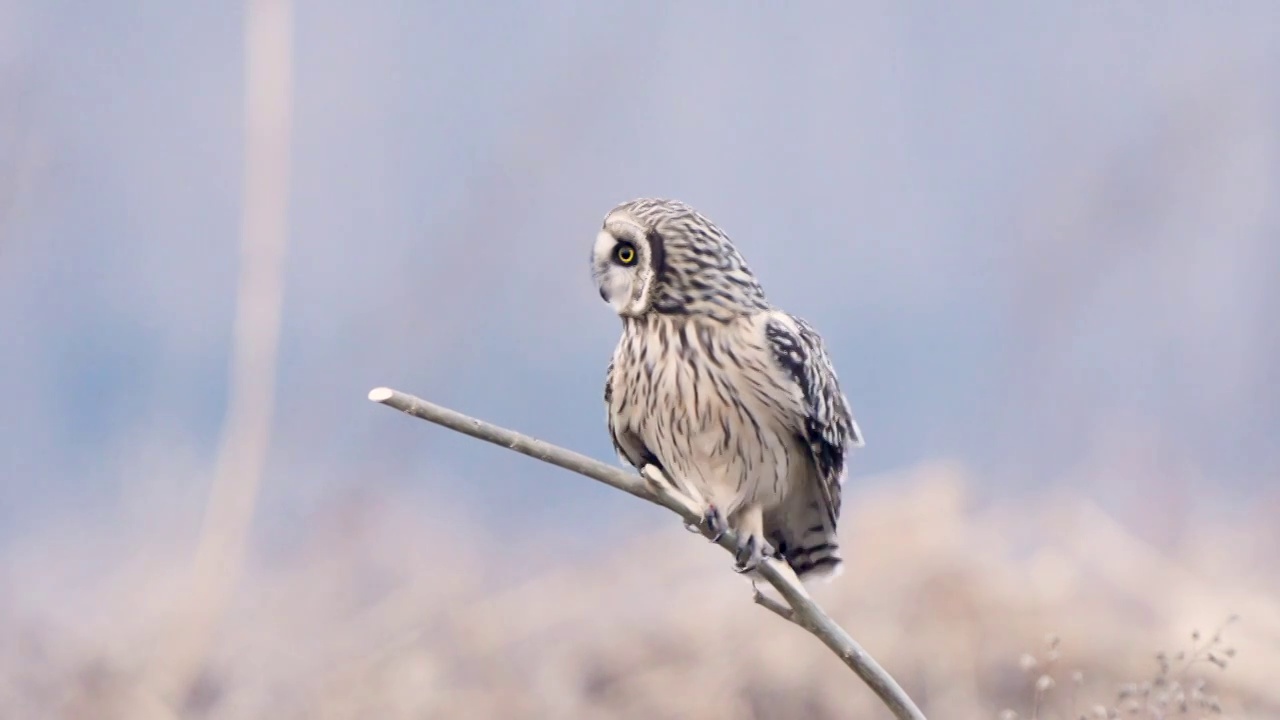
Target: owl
(733, 399)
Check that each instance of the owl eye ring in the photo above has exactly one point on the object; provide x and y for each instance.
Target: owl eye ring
(624, 253)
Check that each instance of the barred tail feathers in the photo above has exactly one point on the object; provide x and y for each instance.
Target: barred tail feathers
(806, 539)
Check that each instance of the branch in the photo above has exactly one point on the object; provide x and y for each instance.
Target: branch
(653, 487)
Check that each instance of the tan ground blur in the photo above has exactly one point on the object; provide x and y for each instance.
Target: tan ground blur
(372, 620)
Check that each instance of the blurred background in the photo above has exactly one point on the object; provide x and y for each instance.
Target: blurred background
(1040, 239)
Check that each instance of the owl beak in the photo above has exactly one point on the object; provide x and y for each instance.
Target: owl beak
(604, 293)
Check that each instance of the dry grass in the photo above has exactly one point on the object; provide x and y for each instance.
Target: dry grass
(371, 619)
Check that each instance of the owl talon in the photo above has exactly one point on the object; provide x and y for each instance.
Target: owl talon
(751, 553)
(714, 521)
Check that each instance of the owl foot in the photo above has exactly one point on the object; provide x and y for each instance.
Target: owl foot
(753, 550)
(714, 521)
(661, 485)
(658, 480)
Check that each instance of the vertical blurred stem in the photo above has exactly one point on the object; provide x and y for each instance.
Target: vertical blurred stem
(216, 566)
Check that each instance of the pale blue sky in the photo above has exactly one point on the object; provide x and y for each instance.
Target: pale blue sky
(1033, 234)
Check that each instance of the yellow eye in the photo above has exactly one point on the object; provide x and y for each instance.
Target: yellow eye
(625, 252)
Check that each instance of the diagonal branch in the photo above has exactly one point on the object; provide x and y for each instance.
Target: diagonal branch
(651, 486)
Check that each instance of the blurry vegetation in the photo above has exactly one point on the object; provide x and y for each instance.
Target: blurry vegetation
(1178, 688)
(386, 611)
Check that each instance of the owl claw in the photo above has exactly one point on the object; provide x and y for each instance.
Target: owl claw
(751, 553)
(714, 521)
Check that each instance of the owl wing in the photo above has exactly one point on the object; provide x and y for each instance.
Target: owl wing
(824, 421)
(628, 445)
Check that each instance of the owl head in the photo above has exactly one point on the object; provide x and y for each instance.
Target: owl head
(662, 256)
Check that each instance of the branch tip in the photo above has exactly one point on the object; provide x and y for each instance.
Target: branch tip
(381, 394)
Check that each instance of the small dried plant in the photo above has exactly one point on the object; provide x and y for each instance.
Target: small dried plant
(1176, 690)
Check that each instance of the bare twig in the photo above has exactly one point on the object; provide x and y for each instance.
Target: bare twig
(774, 606)
(799, 609)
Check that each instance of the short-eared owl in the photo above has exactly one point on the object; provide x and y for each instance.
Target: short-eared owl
(733, 399)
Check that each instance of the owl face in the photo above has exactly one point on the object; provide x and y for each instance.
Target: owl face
(623, 264)
(663, 257)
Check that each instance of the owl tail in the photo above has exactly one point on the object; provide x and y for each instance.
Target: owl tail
(809, 544)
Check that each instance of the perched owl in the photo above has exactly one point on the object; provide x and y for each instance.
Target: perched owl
(733, 399)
